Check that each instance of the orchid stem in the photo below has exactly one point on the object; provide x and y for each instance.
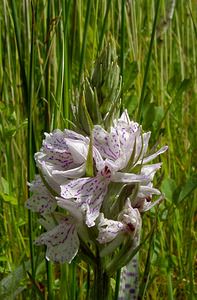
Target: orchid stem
(102, 281)
(117, 284)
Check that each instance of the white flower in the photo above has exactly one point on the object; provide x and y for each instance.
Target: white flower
(145, 192)
(62, 165)
(62, 156)
(129, 222)
(61, 240)
(42, 201)
(89, 192)
(124, 140)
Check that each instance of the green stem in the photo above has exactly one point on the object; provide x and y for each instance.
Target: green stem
(117, 284)
(73, 279)
(102, 281)
(88, 283)
(64, 285)
(49, 280)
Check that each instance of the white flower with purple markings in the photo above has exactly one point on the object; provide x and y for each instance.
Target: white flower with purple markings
(70, 203)
(61, 239)
(127, 223)
(89, 192)
(62, 156)
(124, 140)
(42, 201)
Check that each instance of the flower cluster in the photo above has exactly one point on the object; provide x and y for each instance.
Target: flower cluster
(111, 200)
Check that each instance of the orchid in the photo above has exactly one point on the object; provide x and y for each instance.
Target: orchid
(128, 223)
(116, 149)
(119, 155)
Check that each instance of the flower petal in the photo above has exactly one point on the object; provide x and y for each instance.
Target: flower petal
(128, 178)
(71, 207)
(148, 205)
(62, 242)
(62, 156)
(75, 136)
(150, 170)
(56, 150)
(42, 201)
(131, 218)
(147, 191)
(107, 143)
(124, 117)
(153, 156)
(61, 176)
(89, 194)
(108, 230)
(129, 221)
(78, 150)
(144, 139)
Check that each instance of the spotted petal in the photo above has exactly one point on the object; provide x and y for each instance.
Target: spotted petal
(72, 207)
(62, 242)
(108, 144)
(42, 201)
(129, 222)
(117, 145)
(108, 229)
(89, 194)
(62, 156)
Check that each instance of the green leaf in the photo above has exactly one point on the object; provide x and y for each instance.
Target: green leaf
(130, 75)
(84, 117)
(185, 84)
(11, 283)
(5, 185)
(168, 187)
(158, 116)
(8, 198)
(92, 103)
(130, 102)
(187, 189)
(89, 161)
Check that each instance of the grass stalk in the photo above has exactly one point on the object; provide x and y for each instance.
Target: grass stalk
(85, 33)
(67, 65)
(104, 26)
(20, 54)
(30, 162)
(122, 43)
(141, 101)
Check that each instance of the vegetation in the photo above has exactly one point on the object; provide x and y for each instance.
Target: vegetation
(47, 48)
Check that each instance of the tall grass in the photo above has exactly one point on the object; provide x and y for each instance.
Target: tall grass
(46, 47)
